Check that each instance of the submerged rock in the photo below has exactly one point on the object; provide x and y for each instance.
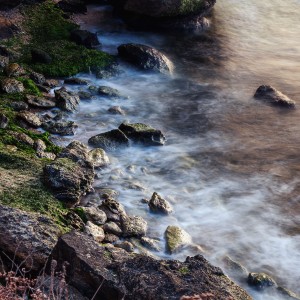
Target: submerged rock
(72, 6)
(27, 237)
(176, 239)
(149, 243)
(66, 100)
(98, 157)
(261, 281)
(159, 205)
(10, 85)
(85, 38)
(273, 96)
(109, 92)
(234, 267)
(116, 110)
(287, 293)
(144, 134)
(139, 277)
(145, 57)
(68, 180)
(107, 72)
(76, 81)
(110, 140)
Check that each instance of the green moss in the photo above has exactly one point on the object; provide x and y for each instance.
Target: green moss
(184, 270)
(30, 86)
(80, 212)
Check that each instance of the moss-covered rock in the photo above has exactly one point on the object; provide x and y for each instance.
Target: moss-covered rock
(176, 239)
(261, 281)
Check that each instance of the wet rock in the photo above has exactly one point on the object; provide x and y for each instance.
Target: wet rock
(261, 281)
(14, 70)
(95, 215)
(3, 121)
(94, 231)
(127, 246)
(19, 105)
(68, 180)
(66, 100)
(134, 226)
(85, 38)
(61, 128)
(72, 6)
(110, 140)
(4, 61)
(287, 293)
(39, 145)
(76, 81)
(43, 88)
(146, 58)
(110, 238)
(144, 134)
(116, 110)
(98, 157)
(139, 277)
(273, 96)
(109, 92)
(37, 77)
(149, 243)
(113, 209)
(77, 152)
(159, 205)
(107, 72)
(74, 220)
(30, 118)
(32, 234)
(235, 267)
(106, 193)
(40, 56)
(112, 228)
(10, 85)
(176, 239)
(40, 102)
(83, 95)
(22, 138)
(52, 83)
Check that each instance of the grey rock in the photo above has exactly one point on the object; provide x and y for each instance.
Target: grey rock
(10, 85)
(4, 61)
(112, 228)
(110, 140)
(176, 239)
(109, 92)
(95, 231)
(68, 180)
(261, 281)
(77, 152)
(273, 96)
(32, 234)
(48, 155)
(39, 145)
(134, 226)
(40, 102)
(83, 95)
(52, 83)
(110, 238)
(66, 100)
(19, 105)
(149, 243)
(287, 293)
(76, 81)
(98, 157)
(127, 246)
(22, 138)
(113, 209)
(144, 134)
(146, 58)
(95, 215)
(30, 118)
(116, 110)
(138, 276)
(159, 205)
(234, 267)
(61, 128)
(37, 78)
(107, 72)
(3, 121)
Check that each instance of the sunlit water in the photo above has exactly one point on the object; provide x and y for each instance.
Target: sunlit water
(230, 166)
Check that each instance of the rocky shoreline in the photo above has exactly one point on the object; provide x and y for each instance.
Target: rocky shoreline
(41, 215)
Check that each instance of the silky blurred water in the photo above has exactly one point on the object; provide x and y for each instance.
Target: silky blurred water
(230, 166)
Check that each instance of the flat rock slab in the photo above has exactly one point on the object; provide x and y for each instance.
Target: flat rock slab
(134, 276)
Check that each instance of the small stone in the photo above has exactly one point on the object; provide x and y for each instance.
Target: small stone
(113, 228)
(83, 95)
(151, 244)
(3, 121)
(98, 157)
(110, 238)
(176, 239)
(22, 138)
(14, 70)
(30, 118)
(19, 105)
(106, 193)
(159, 205)
(109, 92)
(39, 146)
(127, 246)
(76, 81)
(261, 281)
(116, 110)
(95, 231)
(95, 215)
(10, 86)
(52, 83)
(134, 226)
(37, 77)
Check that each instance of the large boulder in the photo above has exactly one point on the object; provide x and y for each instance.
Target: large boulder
(10, 85)
(61, 127)
(133, 276)
(145, 57)
(29, 237)
(269, 94)
(66, 100)
(176, 239)
(69, 180)
(144, 134)
(157, 204)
